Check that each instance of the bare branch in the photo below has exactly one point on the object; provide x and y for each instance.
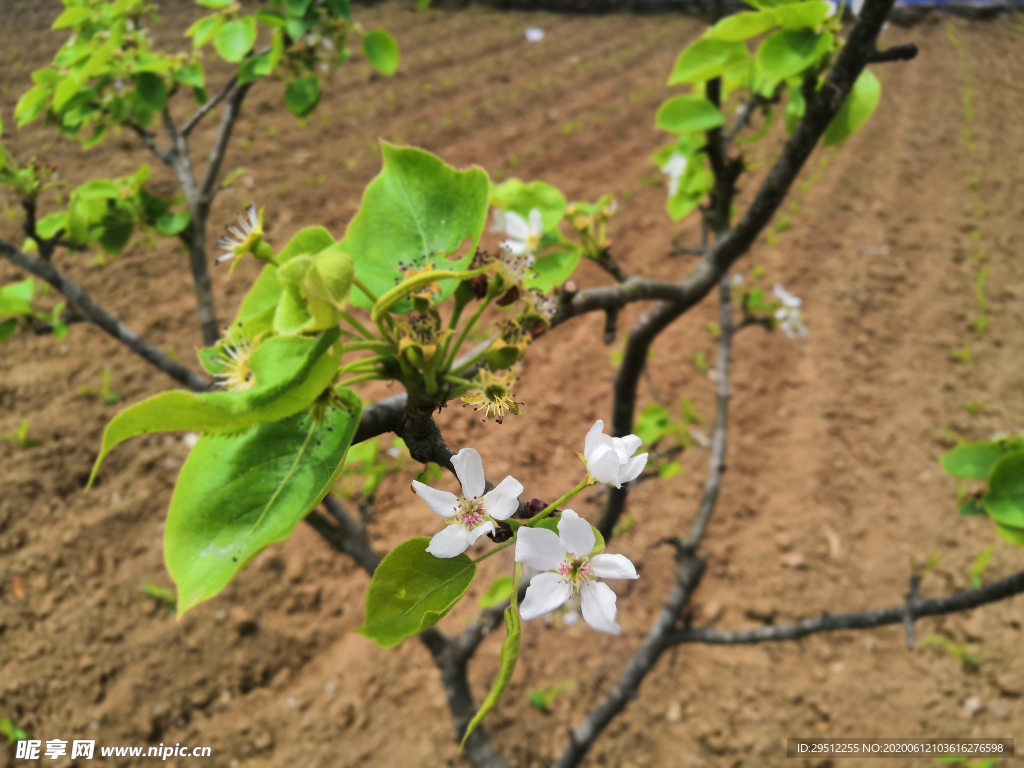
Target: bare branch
(904, 52)
(227, 124)
(96, 315)
(897, 614)
(208, 107)
(608, 263)
(150, 141)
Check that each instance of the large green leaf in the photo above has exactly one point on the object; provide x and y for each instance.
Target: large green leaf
(790, 52)
(688, 114)
(509, 657)
(974, 461)
(264, 295)
(239, 493)
(290, 374)
(856, 110)
(412, 590)
(806, 15)
(417, 211)
(1004, 499)
(706, 59)
(382, 51)
(152, 90)
(742, 26)
(520, 197)
(235, 39)
(1011, 535)
(553, 269)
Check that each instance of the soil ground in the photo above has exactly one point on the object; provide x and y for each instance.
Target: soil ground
(833, 481)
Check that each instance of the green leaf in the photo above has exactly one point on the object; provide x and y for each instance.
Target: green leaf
(171, 224)
(33, 103)
(669, 469)
(706, 59)
(152, 90)
(117, 232)
(290, 373)
(263, 296)
(979, 565)
(856, 110)
(297, 7)
(742, 26)
(308, 241)
(341, 9)
(7, 327)
(509, 656)
(382, 51)
(192, 76)
(69, 87)
(794, 109)
(1011, 535)
(71, 17)
(498, 592)
(302, 96)
(102, 189)
(519, 197)
(215, 4)
(790, 52)
(253, 68)
(271, 18)
(204, 30)
(235, 39)
(1004, 499)
(412, 590)
(971, 507)
(417, 210)
(688, 114)
(974, 461)
(239, 493)
(553, 269)
(801, 15)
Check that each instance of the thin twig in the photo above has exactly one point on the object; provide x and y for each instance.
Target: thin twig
(96, 315)
(207, 186)
(896, 614)
(206, 108)
(150, 141)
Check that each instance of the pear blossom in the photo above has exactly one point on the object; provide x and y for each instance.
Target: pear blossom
(236, 374)
(240, 236)
(789, 316)
(524, 237)
(570, 570)
(610, 460)
(470, 516)
(534, 34)
(674, 169)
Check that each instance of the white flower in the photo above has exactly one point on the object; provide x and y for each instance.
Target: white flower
(524, 237)
(471, 516)
(239, 237)
(737, 279)
(789, 316)
(610, 460)
(236, 374)
(856, 6)
(570, 570)
(674, 169)
(832, 9)
(534, 34)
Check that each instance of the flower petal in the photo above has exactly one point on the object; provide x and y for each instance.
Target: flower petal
(536, 222)
(591, 440)
(516, 226)
(476, 533)
(539, 548)
(440, 502)
(545, 593)
(603, 465)
(502, 502)
(598, 605)
(515, 247)
(576, 534)
(628, 445)
(452, 541)
(612, 567)
(633, 469)
(469, 468)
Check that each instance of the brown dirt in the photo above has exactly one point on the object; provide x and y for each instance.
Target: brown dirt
(833, 438)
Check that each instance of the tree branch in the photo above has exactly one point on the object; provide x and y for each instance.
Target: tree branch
(96, 315)
(150, 141)
(227, 124)
(897, 614)
(208, 107)
(904, 52)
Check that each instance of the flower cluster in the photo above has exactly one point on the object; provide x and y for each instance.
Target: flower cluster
(570, 561)
(789, 317)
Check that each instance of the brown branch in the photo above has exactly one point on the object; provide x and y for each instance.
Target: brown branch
(206, 108)
(904, 52)
(897, 614)
(98, 316)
